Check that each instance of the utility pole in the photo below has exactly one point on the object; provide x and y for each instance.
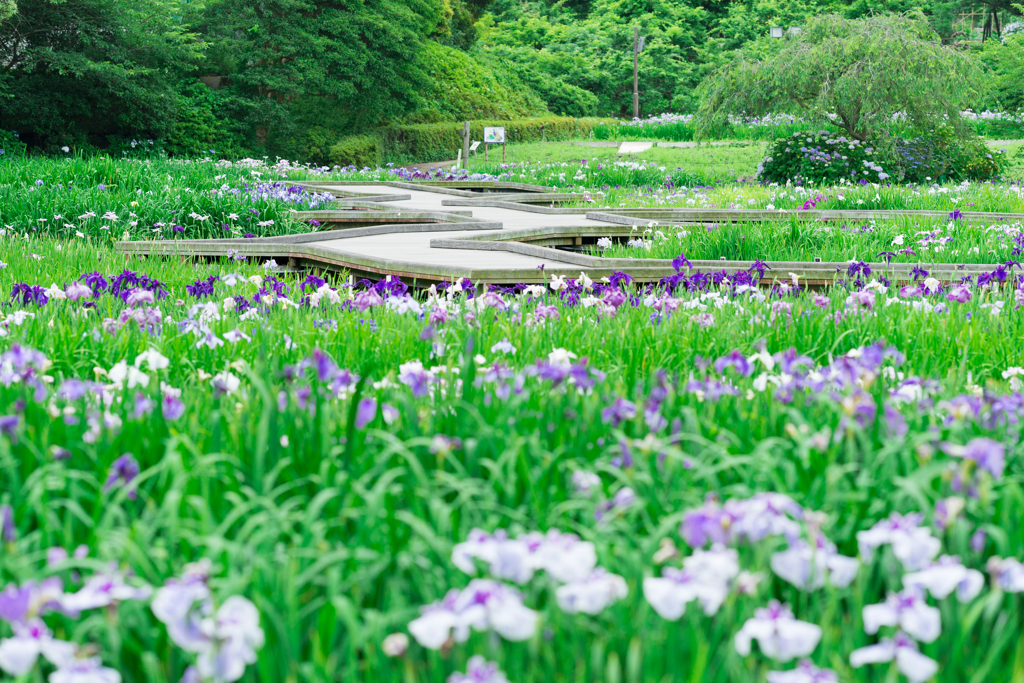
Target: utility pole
(636, 91)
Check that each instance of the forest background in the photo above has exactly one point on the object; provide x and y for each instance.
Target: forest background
(291, 78)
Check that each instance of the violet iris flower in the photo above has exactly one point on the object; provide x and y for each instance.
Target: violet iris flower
(705, 576)
(960, 293)
(479, 670)
(805, 672)
(987, 454)
(18, 654)
(909, 611)
(10, 532)
(482, 605)
(77, 291)
(122, 472)
(225, 641)
(365, 412)
(414, 376)
(734, 360)
(808, 567)
(946, 575)
(591, 595)
(915, 666)
(1007, 573)
(563, 556)
(619, 411)
(172, 407)
(913, 545)
(9, 426)
(77, 669)
(21, 604)
(679, 262)
(102, 590)
(779, 635)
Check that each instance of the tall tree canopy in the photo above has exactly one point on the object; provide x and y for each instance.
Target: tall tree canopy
(859, 72)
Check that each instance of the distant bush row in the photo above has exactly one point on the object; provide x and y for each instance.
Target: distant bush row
(422, 143)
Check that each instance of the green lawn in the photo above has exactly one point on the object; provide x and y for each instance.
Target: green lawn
(738, 158)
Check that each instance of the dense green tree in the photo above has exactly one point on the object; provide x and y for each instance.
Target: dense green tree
(859, 71)
(76, 71)
(359, 59)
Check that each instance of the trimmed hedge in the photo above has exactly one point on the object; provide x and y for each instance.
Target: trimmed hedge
(355, 150)
(424, 143)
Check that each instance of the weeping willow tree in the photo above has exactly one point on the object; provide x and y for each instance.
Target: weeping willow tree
(863, 74)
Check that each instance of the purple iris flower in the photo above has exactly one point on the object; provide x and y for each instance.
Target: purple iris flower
(414, 376)
(978, 539)
(895, 422)
(734, 360)
(366, 411)
(10, 532)
(908, 610)
(172, 407)
(915, 666)
(989, 455)
(619, 411)
(143, 406)
(619, 278)
(778, 633)
(680, 261)
(122, 472)
(9, 425)
(805, 672)
(479, 670)
(960, 293)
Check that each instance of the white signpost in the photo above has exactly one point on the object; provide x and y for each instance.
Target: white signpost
(494, 135)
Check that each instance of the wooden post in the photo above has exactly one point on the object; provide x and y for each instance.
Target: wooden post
(487, 146)
(502, 151)
(543, 135)
(465, 142)
(636, 91)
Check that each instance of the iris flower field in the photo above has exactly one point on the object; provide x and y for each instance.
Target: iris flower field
(227, 470)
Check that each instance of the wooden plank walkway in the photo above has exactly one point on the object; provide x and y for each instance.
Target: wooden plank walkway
(415, 235)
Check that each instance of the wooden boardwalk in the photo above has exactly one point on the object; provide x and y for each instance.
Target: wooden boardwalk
(414, 232)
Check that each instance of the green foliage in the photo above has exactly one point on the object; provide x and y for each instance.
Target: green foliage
(355, 150)
(829, 158)
(595, 53)
(7, 8)
(462, 88)
(11, 145)
(110, 74)
(441, 141)
(862, 71)
(819, 158)
(1005, 62)
(942, 155)
(361, 58)
(204, 123)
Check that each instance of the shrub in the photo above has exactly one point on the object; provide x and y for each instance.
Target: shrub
(943, 156)
(820, 158)
(11, 145)
(355, 150)
(442, 141)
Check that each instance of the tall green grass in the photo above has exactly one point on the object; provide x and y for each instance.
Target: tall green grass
(340, 534)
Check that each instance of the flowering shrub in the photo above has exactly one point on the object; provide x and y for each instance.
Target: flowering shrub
(820, 158)
(940, 157)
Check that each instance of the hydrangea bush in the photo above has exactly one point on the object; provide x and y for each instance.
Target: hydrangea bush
(821, 158)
